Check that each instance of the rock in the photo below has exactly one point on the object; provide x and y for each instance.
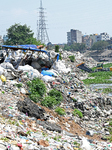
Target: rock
(33, 110)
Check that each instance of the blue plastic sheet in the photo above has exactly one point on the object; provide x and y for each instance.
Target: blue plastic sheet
(44, 73)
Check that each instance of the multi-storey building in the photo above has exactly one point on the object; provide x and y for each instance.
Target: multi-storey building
(1, 40)
(69, 38)
(74, 36)
(104, 36)
(87, 40)
(5, 38)
(94, 38)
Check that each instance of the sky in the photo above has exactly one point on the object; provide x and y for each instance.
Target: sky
(87, 16)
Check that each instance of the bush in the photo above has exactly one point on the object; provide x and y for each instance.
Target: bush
(37, 89)
(19, 85)
(110, 123)
(57, 48)
(77, 112)
(57, 95)
(60, 111)
(49, 102)
(60, 57)
(54, 98)
(72, 58)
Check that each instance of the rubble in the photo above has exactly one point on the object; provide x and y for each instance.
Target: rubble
(25, 125)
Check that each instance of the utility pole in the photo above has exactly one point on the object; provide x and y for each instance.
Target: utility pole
(41, 26)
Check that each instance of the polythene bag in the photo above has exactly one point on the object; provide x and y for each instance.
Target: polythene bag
(48, 78)
(44, 73)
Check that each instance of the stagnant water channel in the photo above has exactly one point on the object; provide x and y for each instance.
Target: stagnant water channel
(101, 86)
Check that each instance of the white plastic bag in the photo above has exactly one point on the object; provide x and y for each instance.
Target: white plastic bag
(60, 67)
(48, 78)
(85, 144)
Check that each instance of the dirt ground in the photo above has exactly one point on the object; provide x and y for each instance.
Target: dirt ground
(75, 128)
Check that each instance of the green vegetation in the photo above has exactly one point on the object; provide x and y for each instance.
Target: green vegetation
(57, 48)
(3, 92)
(110, 123)
(60, 111)
(75, 47)
(60, 57)
(49, 102)
(37, 89)
(110, 131)
(5, 139)
(72, 58)
(77, 112)
(56, 138)
(21, 34)
(54, 98)
(19, 85)
(107, 90)
(56, 94)
(44, 134)
(28, 132)
(99, 45)
(99, 77)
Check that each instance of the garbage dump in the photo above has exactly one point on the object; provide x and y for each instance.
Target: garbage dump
(25, 125)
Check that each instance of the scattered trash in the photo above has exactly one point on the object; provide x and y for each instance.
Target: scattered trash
(27, 125)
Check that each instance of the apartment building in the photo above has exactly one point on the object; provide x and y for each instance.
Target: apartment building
(74, 36)
(87, 40)
(1, 40)
(104, 36)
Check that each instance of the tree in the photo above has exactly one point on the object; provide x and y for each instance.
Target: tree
(100, 45)
(20, 34)
(75, 47)
(66, 47)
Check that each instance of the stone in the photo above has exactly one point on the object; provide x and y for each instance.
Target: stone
(33, 110)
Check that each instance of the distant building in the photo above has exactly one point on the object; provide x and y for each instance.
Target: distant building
(87, 40)
(1, 40)
(74, 36)
(68, 38)
(104, 36)
(94, 38)
(5, 38)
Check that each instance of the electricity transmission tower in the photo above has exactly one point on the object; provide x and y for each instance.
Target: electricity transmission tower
(41, 26)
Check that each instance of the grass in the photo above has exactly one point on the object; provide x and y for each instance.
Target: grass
(109, 138)
(77, 112)
(57, 138)
(99, 77)
(5, 139)
(107, 90)
(19, 85)
(60, 111)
